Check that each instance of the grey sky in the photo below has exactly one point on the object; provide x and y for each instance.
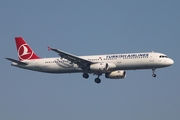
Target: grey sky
(85, 28)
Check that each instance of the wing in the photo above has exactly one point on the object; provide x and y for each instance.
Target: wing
(82, 63)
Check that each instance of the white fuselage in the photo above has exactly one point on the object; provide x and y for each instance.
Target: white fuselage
(130, 61)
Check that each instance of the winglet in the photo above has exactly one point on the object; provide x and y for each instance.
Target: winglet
(49, 48)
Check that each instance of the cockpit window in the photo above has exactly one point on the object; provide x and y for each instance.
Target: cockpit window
(163, 56)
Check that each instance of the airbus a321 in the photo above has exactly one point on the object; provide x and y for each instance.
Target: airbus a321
(113, 66)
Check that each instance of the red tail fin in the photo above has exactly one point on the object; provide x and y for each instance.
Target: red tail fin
(24, 50)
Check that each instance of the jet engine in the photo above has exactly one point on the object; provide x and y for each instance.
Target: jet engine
(102, 67)
(118, 74)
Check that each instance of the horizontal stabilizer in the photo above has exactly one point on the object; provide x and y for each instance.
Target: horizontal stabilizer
(16, 61)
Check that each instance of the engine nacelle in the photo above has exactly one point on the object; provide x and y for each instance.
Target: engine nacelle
(102, 67)
(99, 67)
(118, 74)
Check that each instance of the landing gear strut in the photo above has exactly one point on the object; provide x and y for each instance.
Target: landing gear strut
(153, 71)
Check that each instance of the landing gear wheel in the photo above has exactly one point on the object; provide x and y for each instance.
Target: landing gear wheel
(85, 75)
(154, 75)
(97, 80)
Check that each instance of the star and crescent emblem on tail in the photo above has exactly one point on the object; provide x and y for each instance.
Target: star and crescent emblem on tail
(24, 52)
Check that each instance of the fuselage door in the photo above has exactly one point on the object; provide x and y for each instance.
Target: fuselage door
(151, 57)
(119, 60)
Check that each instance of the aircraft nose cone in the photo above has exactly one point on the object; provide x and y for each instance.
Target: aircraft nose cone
(171, 62)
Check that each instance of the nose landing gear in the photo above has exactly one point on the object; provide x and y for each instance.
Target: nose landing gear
(153, 71)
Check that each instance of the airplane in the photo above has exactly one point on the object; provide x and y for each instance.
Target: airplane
(113, 66)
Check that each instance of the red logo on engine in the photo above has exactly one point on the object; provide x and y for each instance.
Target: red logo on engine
(24, 52)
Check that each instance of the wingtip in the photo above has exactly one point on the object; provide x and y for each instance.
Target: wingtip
(49, 48)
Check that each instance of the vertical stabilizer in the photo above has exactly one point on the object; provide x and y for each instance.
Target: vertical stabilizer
(24, 50)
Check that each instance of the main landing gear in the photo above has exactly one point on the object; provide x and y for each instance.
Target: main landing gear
(96, 80)
(85, 75)
(153, 71)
